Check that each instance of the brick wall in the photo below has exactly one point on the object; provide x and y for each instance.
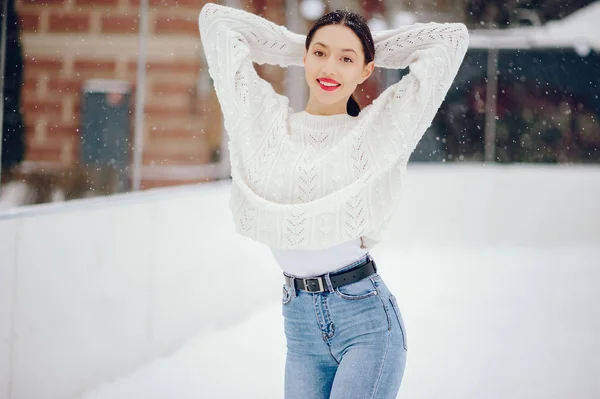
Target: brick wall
(66, 42)
(437, 10)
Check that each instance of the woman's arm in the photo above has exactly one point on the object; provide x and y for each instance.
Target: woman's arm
(433, 52)
(232, 40)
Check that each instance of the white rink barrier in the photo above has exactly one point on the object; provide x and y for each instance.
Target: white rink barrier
(92, 289)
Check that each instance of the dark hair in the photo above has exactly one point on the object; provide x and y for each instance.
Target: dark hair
(360, 28)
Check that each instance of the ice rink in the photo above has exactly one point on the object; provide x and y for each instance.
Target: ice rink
(490, 323)
(499, 290)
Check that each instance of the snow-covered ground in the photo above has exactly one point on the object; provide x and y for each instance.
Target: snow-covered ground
(492, 323)
(496, 269)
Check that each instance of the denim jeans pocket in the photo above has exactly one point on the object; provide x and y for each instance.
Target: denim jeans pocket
(286, 295)
(358, 290)
(400, 319)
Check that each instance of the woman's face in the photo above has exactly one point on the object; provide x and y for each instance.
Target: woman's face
(334, 65)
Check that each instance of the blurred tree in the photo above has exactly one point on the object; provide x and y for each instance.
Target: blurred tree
(13, 128)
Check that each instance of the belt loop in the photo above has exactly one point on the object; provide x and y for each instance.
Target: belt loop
(372, 261)
(293, 286)
(328, 282)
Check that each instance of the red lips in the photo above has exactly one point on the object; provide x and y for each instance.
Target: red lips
(330, 81)
(327, 80)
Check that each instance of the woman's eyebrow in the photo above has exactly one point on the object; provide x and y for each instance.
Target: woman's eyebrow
(344, 49)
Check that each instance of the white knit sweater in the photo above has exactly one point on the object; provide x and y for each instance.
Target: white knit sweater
(303, 181)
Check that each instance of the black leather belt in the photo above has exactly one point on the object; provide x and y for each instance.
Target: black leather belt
(319, 284)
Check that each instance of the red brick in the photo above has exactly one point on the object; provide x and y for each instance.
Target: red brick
(49, 143)
(190, 135)
(30, 85)
(29, 129)
(30, 21)
(51, 150)
(42, 2)
(43, 154)
(28, 95)
(37, 107)
(168, 67)
(30, 121)
(171, 88)
(166, 159)
(62, 131)
(63, 85)
(109, 3)
(204, 107)
(195, 4)
(54, 131)
(176, 25)
(94, 66)
(69, 22)
(160, 111)
(164, 151)
(148, 184)
(42, 64)
(124, 24)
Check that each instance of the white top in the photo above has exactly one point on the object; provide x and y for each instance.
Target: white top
(314, 262)
(307, 182)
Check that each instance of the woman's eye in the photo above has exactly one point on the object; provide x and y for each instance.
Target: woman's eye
(346, 59)
(318, 53)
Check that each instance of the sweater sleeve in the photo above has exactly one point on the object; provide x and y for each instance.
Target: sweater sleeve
(232, 39)
(433, 53)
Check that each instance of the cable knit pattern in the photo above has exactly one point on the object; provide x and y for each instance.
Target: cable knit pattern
(303, 181)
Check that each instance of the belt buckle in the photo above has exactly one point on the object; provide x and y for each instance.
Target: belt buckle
(319, 279)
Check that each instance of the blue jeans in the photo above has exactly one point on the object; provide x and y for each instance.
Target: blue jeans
(343, 343)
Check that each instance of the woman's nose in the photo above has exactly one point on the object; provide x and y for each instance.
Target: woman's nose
(329, 67)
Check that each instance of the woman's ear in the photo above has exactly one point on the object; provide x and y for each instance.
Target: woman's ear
(367, 71)
(304, 57)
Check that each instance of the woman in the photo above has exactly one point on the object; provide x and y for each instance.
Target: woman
(319, 186)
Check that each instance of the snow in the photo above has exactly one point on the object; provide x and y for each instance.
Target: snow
(578, 29)
(583, 23)
(482, 322)
(495, 269)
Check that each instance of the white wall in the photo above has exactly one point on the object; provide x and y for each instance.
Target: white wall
(8, 230)
(86, 288)
(93, 285)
